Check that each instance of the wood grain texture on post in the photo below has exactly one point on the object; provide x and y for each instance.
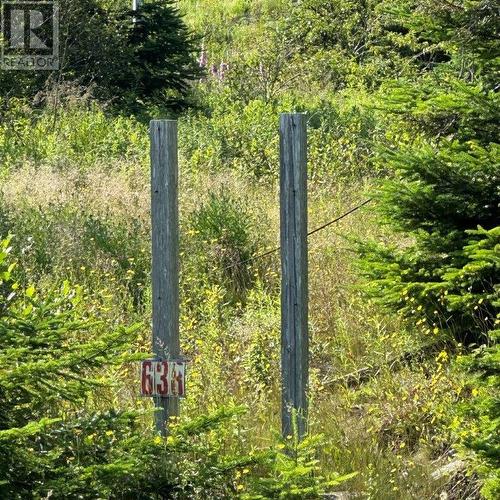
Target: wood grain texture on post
(294, 265)
(165, 252)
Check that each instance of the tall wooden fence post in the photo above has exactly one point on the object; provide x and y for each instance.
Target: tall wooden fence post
(136, 5)
(165, 253)
(294, 282)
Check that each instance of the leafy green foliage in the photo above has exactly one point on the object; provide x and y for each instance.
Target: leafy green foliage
(161, 64)
(54, 360)
(62, 434)
(223, 227)
(384, 392)
(445, 185)
(347, 41)
(71, 129)
(51, 355)
(483, 429)
(132, 63)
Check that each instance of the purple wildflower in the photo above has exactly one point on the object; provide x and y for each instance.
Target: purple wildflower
(203, 59)
(223, 68)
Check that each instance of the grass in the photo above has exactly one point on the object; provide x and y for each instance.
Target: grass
(75, 194)
(375, 428)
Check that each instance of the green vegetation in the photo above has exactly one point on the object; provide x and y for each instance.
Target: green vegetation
(404, 293)
(445, 198)
(137, 65)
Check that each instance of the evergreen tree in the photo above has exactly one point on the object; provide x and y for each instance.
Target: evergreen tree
(482, 415)
(128, 58)
(62, 432)
(443, 192)
(443, 155)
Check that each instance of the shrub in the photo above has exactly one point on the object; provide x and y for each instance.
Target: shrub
(293, 470)
(222, 228)
(480, 429)
(71, 133)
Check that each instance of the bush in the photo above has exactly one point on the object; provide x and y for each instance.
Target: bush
(222, 230)
(75, 132)
(293, 470)
(480, 429)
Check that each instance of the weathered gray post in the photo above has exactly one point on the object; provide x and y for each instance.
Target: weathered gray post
(136, 5)
(165, 252)
(294, 283)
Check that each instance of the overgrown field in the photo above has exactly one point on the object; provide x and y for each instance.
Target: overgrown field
(90, 225)
(388, 391)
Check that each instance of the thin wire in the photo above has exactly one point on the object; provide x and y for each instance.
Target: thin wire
(314, 231)
(343, 216)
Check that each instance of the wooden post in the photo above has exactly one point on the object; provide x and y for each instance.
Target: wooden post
(165, 252)
(294, 285)
(136, 5)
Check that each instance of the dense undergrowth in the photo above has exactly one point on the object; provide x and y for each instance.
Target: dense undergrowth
(395, 393)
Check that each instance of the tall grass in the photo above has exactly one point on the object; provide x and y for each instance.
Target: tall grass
(91, 226)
